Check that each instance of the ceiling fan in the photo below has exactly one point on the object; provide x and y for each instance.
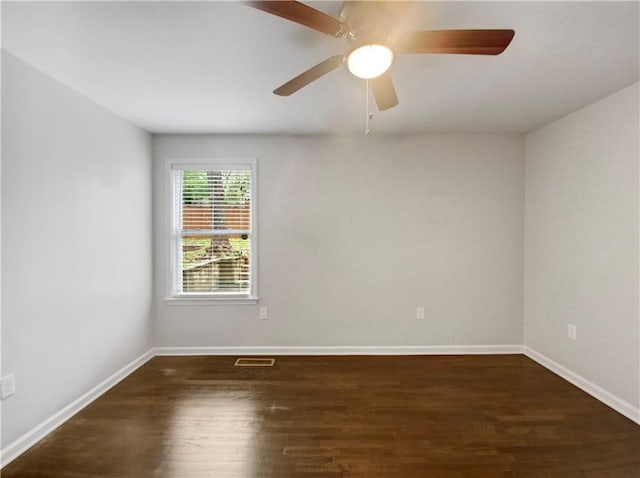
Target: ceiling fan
(368, 28)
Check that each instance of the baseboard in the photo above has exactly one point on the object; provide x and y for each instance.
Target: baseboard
(345, 350)
(609, 399)
(26, 441)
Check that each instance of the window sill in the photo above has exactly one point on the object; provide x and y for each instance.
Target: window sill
(211, 300)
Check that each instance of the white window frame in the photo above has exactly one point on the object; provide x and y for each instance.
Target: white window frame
(173, 296)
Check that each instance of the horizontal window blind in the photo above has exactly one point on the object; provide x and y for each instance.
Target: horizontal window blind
(212, 231)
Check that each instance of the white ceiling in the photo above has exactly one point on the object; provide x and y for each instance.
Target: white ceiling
(211, 66)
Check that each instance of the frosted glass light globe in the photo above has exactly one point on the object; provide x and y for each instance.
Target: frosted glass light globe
(369, 61)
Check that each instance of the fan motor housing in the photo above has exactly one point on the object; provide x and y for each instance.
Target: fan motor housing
(370, 22)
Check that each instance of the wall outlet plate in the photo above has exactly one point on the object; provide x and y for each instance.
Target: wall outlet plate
(264, 313)
(572, 332)
(420, 313)
(7, 386)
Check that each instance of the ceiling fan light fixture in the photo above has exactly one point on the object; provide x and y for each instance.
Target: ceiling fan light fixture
(369, 61)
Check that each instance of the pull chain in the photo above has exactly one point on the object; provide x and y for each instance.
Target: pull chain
(369, 115)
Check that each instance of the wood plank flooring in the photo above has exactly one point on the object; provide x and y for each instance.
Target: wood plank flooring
(417, 416)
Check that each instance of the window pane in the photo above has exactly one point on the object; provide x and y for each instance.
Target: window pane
(212, 229)
(216, 200)
(215, 263)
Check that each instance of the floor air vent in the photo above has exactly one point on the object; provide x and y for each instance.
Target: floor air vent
(254, 362)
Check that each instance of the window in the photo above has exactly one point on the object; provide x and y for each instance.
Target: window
(213, 230)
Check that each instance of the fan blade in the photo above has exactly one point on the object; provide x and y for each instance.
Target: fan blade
(384, 92)
(310, 75)
(303, 14)
(468, 42)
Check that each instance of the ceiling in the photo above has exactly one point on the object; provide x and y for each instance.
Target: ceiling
(211, 67)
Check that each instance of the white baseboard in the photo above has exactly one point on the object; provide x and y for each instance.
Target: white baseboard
(345, 350)
(609, 399)
(26, 441)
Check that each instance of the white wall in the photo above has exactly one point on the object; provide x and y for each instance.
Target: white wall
(356, 232)
(582, 243)
(76, 196)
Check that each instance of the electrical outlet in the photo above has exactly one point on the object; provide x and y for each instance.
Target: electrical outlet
(572, 332)
(420, 313)
(7, 386)
(264, 313)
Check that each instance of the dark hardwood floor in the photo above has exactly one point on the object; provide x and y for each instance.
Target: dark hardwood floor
(420, 416)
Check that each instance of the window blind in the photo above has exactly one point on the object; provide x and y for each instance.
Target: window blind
(212, 220)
